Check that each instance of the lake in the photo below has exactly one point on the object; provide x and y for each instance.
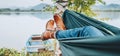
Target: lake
(16, 28)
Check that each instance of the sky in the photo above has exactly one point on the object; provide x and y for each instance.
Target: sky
(21, 3)
(27, 3)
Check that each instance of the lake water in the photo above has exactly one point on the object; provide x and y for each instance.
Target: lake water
(112, 18)
(15, 28)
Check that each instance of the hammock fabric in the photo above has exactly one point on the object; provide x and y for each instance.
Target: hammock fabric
(108, 45)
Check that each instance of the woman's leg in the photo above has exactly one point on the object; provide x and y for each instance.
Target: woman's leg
(86, 31)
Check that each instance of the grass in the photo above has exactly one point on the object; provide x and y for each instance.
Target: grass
(44, 53)
(13, 52)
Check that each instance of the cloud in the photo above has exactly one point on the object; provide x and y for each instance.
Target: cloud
(27, 3)
(18, 3)
(112, 1)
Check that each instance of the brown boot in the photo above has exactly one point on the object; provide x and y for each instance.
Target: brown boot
(50, 25)
(59, 22)
(49, 30)
(48, 35)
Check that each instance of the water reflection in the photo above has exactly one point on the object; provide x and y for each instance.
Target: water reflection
(39, 15)
(15, 29)
(110, 15)
(43, 15)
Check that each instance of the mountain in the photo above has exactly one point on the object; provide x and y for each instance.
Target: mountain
(40, 6)
(106, 7)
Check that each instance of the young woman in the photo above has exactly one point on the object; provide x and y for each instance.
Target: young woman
(60, 31)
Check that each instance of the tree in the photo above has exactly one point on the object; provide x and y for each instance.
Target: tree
(82, 6)
(32, 10)
(17, 9)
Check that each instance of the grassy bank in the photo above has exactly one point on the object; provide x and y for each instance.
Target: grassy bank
(13, 52)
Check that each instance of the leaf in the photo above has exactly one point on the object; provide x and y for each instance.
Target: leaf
(102, 2)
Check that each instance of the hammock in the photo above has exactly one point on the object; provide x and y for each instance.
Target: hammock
(109, 45)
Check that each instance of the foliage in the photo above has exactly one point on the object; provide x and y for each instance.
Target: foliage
(49, 8)
(83, 6)
(10, 52)
(43, 53)
(13, 52)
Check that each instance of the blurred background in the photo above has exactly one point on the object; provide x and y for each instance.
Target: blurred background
(19, 19)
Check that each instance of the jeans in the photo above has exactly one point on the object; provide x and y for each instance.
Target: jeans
(87, 31)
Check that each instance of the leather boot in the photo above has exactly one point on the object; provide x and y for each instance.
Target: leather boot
(59, 22)
(49, 30)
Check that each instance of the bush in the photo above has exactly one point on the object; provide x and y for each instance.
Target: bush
(13, 52)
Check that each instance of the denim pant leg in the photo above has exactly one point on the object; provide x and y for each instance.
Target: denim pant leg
(86, 31)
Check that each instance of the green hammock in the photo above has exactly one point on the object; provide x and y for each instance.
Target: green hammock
(109, 45)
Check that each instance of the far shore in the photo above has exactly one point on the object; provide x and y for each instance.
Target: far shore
(9, 12)
(107, 10)
(37, 11)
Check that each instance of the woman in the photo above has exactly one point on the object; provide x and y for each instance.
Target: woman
(61, 32)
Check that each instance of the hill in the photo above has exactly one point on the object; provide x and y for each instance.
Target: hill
(106, 7)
